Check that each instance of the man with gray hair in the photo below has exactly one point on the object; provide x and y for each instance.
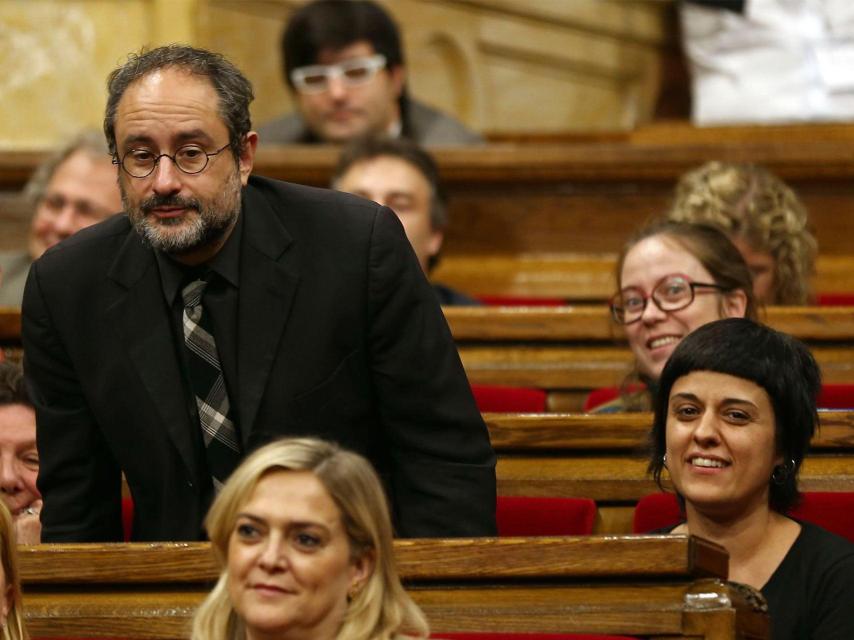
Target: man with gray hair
(74, 188)
(225, 310)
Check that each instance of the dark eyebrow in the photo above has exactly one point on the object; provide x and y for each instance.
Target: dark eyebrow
(685, 396)
(194, 134)
(726, 401)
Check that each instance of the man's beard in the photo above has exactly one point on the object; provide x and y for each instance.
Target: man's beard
(212, 220)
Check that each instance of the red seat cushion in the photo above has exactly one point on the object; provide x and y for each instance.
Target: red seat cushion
(836, 396)
(838, 299)
(655, 511)
(524, 516)
(833, 511)
(830, 510)
(127, 518)
(491, 398)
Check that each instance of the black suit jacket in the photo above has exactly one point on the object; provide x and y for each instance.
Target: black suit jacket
(339, 336)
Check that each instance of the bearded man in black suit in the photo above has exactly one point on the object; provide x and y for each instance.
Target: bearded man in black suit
(314, 317)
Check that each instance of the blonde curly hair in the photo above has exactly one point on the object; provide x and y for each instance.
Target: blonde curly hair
(751, 203)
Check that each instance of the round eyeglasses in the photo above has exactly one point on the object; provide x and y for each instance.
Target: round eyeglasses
(316, 78)
(191, 159)
(671, 293)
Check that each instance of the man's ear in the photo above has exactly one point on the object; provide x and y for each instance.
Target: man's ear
(247, 156)
(437, 237)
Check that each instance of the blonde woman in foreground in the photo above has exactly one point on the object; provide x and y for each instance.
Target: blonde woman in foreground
(11, 609)
(303, 535)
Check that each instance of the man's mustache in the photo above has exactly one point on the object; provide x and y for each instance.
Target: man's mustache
(169, 201)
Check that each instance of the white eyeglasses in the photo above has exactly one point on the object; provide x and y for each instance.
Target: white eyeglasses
(316, 78)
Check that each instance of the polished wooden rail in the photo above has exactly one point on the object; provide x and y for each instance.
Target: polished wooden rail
(624, 432)
(592, 323)
(643, 585)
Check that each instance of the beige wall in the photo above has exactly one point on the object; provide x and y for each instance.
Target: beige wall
(500, 65)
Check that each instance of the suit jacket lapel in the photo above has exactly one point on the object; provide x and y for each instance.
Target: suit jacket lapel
(145, 332)
(267, 288)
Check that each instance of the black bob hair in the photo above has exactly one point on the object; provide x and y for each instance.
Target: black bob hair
(780, 364)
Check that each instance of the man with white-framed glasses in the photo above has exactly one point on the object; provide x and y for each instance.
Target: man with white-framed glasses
(344, 65)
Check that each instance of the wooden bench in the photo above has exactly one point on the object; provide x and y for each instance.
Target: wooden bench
(568, 351)
(602, 457)
(520, 209)
(655, 586)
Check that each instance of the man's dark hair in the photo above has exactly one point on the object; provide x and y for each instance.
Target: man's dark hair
(336, 24)
(408, 151)
(13, 389)
(780, 364)
(232, 87)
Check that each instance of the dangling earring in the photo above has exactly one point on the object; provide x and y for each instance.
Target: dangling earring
(664, 460)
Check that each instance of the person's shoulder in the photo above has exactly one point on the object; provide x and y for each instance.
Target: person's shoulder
(824, 545)
(430, 126)
(287, 129)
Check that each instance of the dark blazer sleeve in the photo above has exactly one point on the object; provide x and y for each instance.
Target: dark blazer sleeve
(78, 478)
(442, 463)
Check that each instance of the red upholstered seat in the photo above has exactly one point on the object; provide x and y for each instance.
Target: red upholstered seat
(524, 516)
(127, 518)
(655, 511)
(836, 396)
(491, 398)
(833, 511)
(838, 299)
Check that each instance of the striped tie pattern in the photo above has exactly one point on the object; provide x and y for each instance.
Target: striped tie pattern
(222, 444)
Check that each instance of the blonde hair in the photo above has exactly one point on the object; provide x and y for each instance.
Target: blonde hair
(382, 609)
(750, 202)
(14, 628)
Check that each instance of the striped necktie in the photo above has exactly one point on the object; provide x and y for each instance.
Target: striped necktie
(222, 445)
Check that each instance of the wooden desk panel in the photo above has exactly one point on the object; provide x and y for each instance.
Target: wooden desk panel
(610, 584)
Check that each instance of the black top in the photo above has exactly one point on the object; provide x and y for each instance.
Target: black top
(811, 594)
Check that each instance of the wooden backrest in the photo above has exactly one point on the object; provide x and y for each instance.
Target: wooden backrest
(602, 457)
(646, 585)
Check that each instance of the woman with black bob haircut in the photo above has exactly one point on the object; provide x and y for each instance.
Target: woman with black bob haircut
(734, 414)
